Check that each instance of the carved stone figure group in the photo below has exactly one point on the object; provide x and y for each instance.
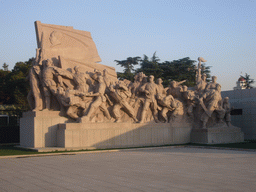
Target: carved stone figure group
(95, 97)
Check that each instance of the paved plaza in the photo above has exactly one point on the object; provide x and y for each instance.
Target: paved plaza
(148, 169)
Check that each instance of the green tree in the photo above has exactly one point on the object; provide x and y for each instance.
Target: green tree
(178, 70)
(5, 67)
(128, 65)
(13, 84)
(248, 81)
(151, 67)
(4, 86)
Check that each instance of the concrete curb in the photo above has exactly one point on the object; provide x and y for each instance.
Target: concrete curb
(55, 154)
(84, 152)
(117, 150)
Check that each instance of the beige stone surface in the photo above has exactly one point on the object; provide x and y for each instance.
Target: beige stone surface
(38, 129)
(114, 135)
(154, 169)
(71, 46)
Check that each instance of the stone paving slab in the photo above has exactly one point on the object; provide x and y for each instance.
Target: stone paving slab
(151, 169)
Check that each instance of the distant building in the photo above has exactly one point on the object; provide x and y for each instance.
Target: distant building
(244, 113)
(240, 84)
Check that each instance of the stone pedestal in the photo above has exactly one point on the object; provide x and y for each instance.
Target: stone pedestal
(217, 135)
(38, 129)
(115, 135)
(46, 129)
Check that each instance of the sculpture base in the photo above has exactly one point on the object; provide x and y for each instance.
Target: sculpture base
(46, 130)
(119, 135)
(217, 135)
(38, 129)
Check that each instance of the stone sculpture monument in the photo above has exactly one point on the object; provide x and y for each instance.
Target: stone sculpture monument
(78, 103)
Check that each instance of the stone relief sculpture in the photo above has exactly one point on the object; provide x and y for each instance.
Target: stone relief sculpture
(48, 83)
(226, 107)
(121, 95)
(34, 97)
(91, 93)
(211, 101)
(99, 100)
(150, 90)
(78, 103)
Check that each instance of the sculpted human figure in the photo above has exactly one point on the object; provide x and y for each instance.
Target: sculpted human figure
(106, 78)
(212, 85)
(175, 89)
(201, 84)
(134, 86)
(190, 101)
(49, 85)
(150, 90)
(226, 107)
(200, 78)
(71, 100)
(121, 95)
(80, 80)
(199, 68)
(34, 97)
(211, 101)
(99, 100)
(168, 104)
(161, 90)
(163, 100)
(143, 79)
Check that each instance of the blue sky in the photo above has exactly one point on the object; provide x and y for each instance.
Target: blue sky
(221, 31)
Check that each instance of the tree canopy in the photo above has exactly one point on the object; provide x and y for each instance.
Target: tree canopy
(128, 65)
(14, 87)
(178, 70)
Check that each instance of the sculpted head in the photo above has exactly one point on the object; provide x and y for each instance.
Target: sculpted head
(218, 87)
(173, 84)
(204, 76)
(151, 78)
(140, 76)
(185, 88)
(190, 95)
(159, 81)
(36, 68)
(49, 63)
(77, 69)
(226, 100)
(60, 90)
(144, 79)
(100, 79)
(105, 72)
(214, 79)
(136, 77)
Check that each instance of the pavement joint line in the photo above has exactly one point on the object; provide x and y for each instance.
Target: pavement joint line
(118, 150)
(84, 152)
(222, 148)
(56, 154)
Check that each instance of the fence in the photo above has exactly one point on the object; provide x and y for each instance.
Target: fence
(10, 125)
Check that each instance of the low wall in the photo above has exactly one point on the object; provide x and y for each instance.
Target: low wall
(42, 129)
(115, 135)
(46, 129)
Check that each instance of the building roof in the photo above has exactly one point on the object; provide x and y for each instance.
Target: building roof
(241, 79)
